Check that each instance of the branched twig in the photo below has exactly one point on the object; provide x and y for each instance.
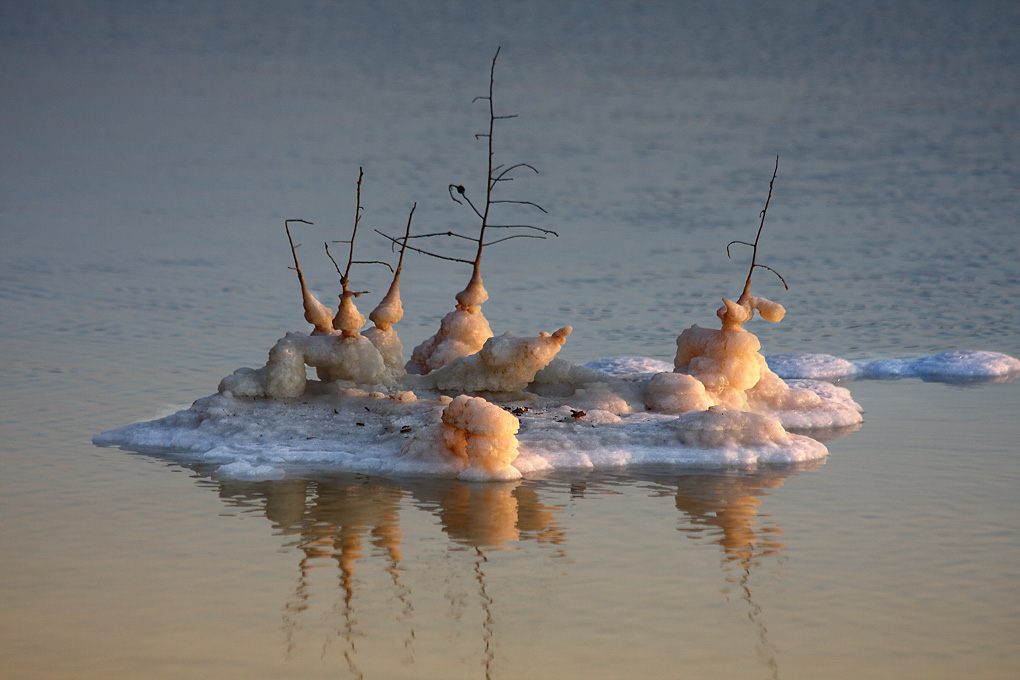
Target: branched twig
(343, 277)
(458, 194)
(534, 205)
(754, 246)
(523, 226)
(357, 219)
(500, 176)
(397, 241)
(407, 235)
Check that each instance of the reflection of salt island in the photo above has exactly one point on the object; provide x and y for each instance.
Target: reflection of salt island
(341, 524)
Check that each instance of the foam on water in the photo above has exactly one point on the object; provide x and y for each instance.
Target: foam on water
(955, 366)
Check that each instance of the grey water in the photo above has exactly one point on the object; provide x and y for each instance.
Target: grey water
(149, 154)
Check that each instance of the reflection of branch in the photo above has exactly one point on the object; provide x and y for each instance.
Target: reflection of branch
(488, 624)
(766, 648)
(729, 504)
(350, 543)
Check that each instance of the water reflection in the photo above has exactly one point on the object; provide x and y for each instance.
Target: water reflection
(351, 532)
(345, 521)
(724, 509)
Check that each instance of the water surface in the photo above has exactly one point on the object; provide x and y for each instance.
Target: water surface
(148, 159)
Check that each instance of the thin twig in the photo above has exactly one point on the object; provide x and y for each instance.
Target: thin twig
(523, 226)
(398, 241)
(754, 252)
(534, 205)
(507, 238)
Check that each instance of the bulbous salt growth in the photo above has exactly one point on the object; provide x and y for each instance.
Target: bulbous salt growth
(676, 393)
(337, 358)
(461, 333)
(724, 367)
(484, 435)
(348, 319)
(725, 363)
(317, 314)
(389, 311)
(506, 363)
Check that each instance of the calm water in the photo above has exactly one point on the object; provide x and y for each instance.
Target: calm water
(149, 154)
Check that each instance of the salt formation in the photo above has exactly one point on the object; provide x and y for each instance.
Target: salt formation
(316, 313)
(388, 312)
(484, 435)
(724, 368)
(336, 349)
(719, 367)
(504, 364)
(465, 330)
(462, 332)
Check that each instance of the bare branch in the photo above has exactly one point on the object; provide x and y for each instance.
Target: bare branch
(534, 205)
(500, 176)
(754, 253)
(403, 247)
(507, 238)
(343, 278)
(385, 264)
(743, 243)
(293, 248)
(523, 226)
(419, 250)
(354, 233)
(763, 266)
(445, 233)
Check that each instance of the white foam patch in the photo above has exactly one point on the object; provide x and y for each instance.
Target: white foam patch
(955, 365)
(812, 366)
(950, 366)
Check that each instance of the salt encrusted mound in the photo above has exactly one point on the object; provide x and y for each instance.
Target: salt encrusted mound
(390, 348)
(504, 364)
(947, 366)
(725, 368)
(388, 312)
(461, 333)
(813, 366)
(484, 435)
(353, 359)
